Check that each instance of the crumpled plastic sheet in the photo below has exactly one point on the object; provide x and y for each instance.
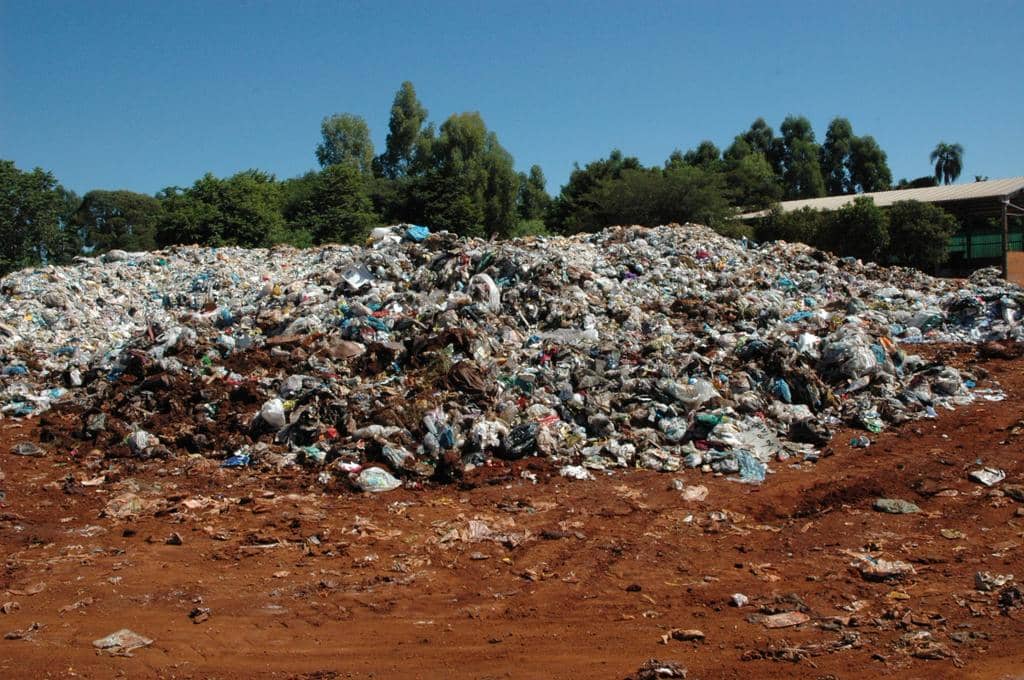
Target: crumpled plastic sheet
(644, 347)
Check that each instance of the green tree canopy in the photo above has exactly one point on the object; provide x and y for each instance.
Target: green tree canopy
(35, 212)
(423, 151)
(859, 229)
(242, 210)
(534, 201)
(917, 183)
(471, 185)
(802, 175)
(949, 162)
(346, 139)
(737, 151)
(333, 206)
(757, 139)
(797, 156)
(795, 128)
(570, 207)
(798, 226)
(868, 166)
(751, 183)
(706, 156)
(651, 197)
(404, 128)
(118, 219)
(919, 234)
(835, 153)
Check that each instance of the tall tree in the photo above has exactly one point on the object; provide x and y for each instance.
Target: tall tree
(569, 209)
(758, 138)
(35, 212)
(242, 210)
(471, 185)
(867, 166)
(407, 117)
(675, 160)
(949, 162)
(706, 156)
(118, 219)
(534, 200)
(797, 155)
(802, 174)
(334, 207)
(751, 182)
(835, 156)
(796, 127)
(423, 151)
(738, 150)
(651, 197)
(296, 193)
(501, 190)
(793, 129)
(346, 139)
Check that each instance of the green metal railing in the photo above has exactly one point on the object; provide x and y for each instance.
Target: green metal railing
(984, 245)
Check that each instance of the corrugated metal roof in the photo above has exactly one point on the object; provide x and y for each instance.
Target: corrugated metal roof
(989, 189)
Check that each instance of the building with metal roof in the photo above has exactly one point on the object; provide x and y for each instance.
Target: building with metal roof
(995, 198)
(987, 196)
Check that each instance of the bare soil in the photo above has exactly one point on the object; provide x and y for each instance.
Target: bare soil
(518, 573)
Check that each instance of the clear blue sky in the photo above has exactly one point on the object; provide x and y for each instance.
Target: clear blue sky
(142, 95)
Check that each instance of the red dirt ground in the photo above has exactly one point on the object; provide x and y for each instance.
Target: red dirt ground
(507, 578)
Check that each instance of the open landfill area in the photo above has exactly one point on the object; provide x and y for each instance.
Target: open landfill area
(638, 453)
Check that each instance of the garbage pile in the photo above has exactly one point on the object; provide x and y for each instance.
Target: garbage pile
(419, 355)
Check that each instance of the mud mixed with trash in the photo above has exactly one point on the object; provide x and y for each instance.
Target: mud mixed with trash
(385, 453)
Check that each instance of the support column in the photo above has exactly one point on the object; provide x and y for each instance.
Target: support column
(1006, 241)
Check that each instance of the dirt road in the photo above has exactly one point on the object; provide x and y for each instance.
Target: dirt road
(522, 574)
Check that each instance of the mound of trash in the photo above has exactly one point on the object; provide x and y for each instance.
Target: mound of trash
(421, 354)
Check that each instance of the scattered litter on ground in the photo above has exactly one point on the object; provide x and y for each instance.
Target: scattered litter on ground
(25, 633)
(895, 506)
(121, 642)
(782, 620)
(984, 581)
(655, 669)
(878, 569)
(988, 476)
(683, 635)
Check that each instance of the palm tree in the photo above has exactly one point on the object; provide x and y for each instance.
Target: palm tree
(948, 159)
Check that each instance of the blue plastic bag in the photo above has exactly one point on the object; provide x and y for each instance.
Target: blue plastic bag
(417, 233)
(237, 460)
(781, 390)
(752, 470)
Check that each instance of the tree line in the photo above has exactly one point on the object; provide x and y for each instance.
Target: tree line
(454, 176)
(909, 233)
